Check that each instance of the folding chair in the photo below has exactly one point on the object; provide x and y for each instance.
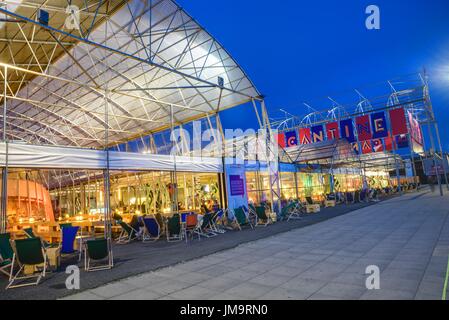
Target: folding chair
(374, 196)
(6, 255)
(251, 210)
(98, 250)
(363, 195)
(173, 228)
(152, 231)
(349, 197)
(29, 253)
(161, 222)
(295, 210)
(311, 206)
(30, 234)
(357, 196)
(241, 219)
(64, 225)
(190, 225)
(68, 240)
(128, 233)
(204, 228)
(218, 220)
(262, 218)
(309, 200)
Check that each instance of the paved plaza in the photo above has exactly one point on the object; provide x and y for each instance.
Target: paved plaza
(406, 237)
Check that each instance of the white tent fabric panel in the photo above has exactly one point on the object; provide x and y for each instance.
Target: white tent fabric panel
(33, 156)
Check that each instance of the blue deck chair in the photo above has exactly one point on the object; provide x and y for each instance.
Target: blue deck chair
(349, 197)
(68, 240)
(6, 255)
(152, 230)
(218, 221)
(363, 195)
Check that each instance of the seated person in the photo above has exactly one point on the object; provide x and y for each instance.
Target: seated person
(137, 224)
(215, 206)
(204, 208)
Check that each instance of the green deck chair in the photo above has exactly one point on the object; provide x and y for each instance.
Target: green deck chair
(98, 250)
(262, 219)
(241, 219)
(30, 234)
(128, 233)
(173, 228)
(6, 255)
(28, 252)
(293, 211)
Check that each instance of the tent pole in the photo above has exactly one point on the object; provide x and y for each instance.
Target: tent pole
(4, 201)
(432, 143)
(106, 181)
(443, 160)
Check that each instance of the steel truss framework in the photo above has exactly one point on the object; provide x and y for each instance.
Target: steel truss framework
(410, 91)
(129, 69)
(149, 56)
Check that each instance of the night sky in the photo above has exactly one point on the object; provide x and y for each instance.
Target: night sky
(296, 51)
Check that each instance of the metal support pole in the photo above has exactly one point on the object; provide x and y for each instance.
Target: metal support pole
(106, 181)
(174, 198)
(432, 143)
(437, 132)
(4, 200)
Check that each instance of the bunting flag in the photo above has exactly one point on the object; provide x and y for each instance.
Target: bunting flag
(291, 138)
(355, 147)
(363, 128)
(388, 143)
(280, 137)
(317, 133)
(377, 145)
(415, 134)
(401, 141)
(366, 146)
(347, 130)
(332, 131)
(304, 136)
(398, 122)
(379, 125)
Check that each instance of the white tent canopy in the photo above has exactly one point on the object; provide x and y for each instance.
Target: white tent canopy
(49, 157)
(134, 67)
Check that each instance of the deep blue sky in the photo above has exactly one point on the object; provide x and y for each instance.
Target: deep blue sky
(296, 51)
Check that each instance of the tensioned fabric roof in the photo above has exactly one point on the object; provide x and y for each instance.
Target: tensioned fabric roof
(128, 66)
